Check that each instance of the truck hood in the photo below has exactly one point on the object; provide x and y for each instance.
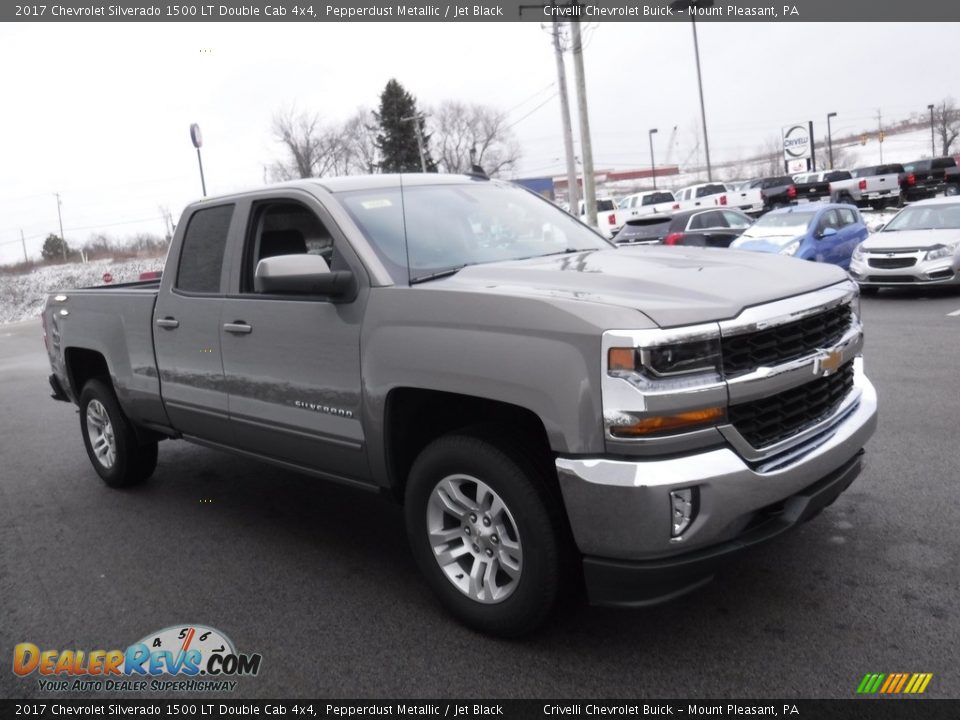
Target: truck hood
(909, 239)
(671, 285)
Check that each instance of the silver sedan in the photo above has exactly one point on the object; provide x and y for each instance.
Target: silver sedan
(919, 246)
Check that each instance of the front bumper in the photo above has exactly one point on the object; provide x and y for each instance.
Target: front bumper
(945, 271)
(620, 511)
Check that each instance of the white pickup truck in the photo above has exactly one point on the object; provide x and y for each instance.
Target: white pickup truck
(642, 204)
(876, 186)
(748, 200)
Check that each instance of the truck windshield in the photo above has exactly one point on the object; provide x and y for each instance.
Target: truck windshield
(780, 225)
(930, 217)
(426, 231)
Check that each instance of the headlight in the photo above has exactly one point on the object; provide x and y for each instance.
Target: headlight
(858, 252)
(941, 251)
(791, 249)
(687, 358)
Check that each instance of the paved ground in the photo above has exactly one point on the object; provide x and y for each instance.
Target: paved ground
(319, 580)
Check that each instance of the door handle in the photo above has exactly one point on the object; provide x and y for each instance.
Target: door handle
(238, 328)
(168, 322)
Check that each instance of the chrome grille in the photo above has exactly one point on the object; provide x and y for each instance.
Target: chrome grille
(783, 343)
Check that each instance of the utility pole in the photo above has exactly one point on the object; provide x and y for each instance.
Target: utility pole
(586, 147)
(423, 159)
(572, 190)
(653, 164)
(24, 243)
(63, 240)
(933, 145)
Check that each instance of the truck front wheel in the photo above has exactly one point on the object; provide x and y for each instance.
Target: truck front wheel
(110, 439)
(485, 532)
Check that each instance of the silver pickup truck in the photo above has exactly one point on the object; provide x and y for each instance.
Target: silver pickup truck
(876, 186)
(551, 410)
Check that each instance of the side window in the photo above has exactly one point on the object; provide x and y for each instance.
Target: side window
(735, 220)
(828, 220)
(201, 256)
(284, 228)
(706, 220)
(847, 217)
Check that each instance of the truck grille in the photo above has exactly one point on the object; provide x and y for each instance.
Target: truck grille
(782, 343)
(893, 263)
(778, 417)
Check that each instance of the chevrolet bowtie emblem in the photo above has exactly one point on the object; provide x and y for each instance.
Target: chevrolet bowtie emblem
(827, 362)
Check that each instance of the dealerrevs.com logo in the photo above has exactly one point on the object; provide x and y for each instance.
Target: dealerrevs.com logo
(199, 657)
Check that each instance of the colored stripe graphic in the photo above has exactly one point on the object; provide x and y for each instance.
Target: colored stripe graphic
(894, 683)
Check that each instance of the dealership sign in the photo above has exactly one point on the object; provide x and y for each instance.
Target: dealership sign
(798, 147)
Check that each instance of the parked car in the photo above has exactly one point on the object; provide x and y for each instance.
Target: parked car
(644, 204)
(606, 216)
(922, 179)
(875, 186)
(702, 228)
(777, 191)
(813, 187)
(919, 246)
(537, 398)
(824, 233)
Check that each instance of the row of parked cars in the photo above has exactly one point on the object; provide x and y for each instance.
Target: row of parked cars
(874, 186)
(920, 245)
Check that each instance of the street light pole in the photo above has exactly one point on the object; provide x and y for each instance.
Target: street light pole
(653, 164)
(691, 6)
(197, 139)
(830, 137)
(933, 146)
(63, 240)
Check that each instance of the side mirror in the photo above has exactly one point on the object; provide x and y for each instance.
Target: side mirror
(300, 274)
(827, 232)
(878, 227)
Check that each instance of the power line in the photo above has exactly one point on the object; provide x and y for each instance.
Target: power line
(88, 227)
(524, 117)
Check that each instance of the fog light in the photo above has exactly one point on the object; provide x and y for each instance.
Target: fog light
(684, 505)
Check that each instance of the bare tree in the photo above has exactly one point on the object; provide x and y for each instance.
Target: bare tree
(946, 121)
(460, 127)
(359, 135)
(314, 149)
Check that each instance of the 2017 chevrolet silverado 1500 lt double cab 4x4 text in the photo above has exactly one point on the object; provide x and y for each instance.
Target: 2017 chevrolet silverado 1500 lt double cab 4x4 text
(531, 393)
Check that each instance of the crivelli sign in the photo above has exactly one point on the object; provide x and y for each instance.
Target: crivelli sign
(798, 147)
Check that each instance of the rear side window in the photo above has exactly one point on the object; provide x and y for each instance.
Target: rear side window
(847, 216)
(706, 190)
(201, 256)
(702, 221)
(657, 197)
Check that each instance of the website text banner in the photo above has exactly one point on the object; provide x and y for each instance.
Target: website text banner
(850, 11)
(209, 707)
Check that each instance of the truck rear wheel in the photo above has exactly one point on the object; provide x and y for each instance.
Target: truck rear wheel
(110, 439)
(485, 532)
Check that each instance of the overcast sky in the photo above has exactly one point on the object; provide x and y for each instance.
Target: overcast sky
(101, 112)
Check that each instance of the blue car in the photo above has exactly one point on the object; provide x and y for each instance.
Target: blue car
(822, 232)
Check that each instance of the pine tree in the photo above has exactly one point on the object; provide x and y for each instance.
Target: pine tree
(397, 138)
(54, 248)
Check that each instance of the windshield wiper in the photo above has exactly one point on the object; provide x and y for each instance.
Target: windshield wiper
(439, 274)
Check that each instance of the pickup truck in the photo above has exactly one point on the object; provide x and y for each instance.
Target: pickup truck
(551, 410)
(643, 204)
(775, 192)
(924, 179)
(876, 186)
(813, 187)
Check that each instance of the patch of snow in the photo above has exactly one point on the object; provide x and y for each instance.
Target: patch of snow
(22, 296)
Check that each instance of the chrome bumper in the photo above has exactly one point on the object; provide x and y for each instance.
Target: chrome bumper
(621, 509)
(944, 271)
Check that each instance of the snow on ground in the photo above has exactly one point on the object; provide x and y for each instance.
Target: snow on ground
(22, 296)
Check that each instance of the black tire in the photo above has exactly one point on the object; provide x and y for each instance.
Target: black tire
(533, 508)
(133, 462)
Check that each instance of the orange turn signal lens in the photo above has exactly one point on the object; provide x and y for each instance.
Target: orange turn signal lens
(664, 423)
(621, 359)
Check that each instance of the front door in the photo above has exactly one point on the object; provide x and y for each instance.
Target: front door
(292, 363)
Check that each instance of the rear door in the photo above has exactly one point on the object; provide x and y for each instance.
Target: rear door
(292, 362)
(853, 231)
(187, 327)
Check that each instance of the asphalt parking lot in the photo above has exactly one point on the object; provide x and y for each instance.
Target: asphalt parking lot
(318, 579)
